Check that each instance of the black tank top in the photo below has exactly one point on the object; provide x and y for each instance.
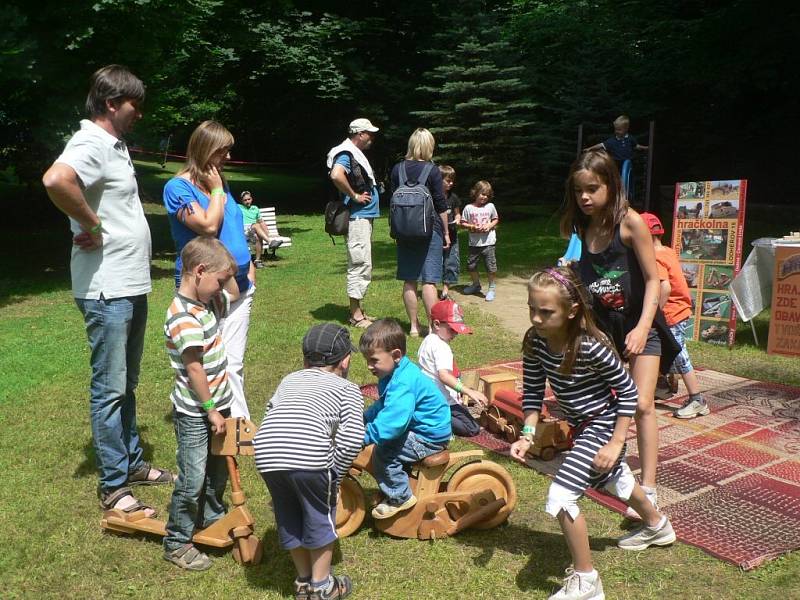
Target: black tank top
(616, 283)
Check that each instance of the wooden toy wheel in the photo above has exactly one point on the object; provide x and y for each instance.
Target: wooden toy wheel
(512, 433)
(486, 475)
(493, 416)
(351, 507)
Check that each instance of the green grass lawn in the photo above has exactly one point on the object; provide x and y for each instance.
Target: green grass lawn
(53, 546)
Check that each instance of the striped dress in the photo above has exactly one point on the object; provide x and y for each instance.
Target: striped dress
(192, 324)
(585, 396)
(314, 422)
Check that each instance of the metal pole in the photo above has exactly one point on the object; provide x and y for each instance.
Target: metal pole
(648, 179)
(580, 141)
(166, 151)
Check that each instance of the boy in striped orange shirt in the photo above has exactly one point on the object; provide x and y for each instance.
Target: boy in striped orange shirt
(201, 397)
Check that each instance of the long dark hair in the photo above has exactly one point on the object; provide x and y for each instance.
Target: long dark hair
(601, 164)
(570, 292)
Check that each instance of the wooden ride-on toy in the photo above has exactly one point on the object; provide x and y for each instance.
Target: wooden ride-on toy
(478, 494)
(236, 527)
(504, 415)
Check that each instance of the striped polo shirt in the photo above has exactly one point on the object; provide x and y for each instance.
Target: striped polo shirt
(314, 422)
(193, 324)
(586, 393)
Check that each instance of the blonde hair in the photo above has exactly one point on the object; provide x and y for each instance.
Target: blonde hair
(208, 138)
(622, 120)
(481, 187)
(210, 252)
(448, 172)
(603, 166)
(420, 145)
(570, 292)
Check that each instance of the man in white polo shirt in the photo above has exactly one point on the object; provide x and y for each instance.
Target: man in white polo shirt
(93, 182)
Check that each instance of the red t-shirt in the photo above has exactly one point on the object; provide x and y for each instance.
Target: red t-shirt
(679, 303)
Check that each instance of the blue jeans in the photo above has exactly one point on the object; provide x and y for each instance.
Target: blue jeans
(115, 328)
(202, 476)
(389, 459)
(452, 262)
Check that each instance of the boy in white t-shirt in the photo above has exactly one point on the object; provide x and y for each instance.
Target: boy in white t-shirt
(480, 218)
(437, 362)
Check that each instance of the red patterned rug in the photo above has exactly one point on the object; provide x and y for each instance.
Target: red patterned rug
(729, 481)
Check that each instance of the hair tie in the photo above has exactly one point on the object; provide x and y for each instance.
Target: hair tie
(571, 289)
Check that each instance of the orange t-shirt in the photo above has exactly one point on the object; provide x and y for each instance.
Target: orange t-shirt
(679, 303)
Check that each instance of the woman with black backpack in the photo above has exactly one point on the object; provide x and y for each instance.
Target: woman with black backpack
(418, 215)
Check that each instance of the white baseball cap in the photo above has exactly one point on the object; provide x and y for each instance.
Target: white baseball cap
(360, 125)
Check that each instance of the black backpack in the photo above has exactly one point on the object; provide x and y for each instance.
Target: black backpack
(337, 213)
(411, 212)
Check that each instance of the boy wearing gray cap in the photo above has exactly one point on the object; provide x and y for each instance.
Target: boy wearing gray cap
(306, 443)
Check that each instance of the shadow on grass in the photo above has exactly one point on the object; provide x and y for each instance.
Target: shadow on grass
(337, 313)
(547, 552)
(276, 571)
(88, 466)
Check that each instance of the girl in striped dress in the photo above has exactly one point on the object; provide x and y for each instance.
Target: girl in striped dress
(598, 398)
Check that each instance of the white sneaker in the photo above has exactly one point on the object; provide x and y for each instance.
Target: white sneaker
(692, 408)
(645, 536)
(580, 586)
(652, 495)
(384, 510)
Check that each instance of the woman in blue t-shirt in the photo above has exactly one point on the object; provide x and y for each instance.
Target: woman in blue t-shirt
(199, 202)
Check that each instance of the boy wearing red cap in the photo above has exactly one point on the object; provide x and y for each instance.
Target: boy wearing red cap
(437, 362)
(676, 303)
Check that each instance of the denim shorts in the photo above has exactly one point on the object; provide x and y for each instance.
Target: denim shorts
(421, 261)
(305, 507)
(682, 364)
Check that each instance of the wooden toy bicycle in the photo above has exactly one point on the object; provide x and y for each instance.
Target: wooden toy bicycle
(235, 528)
(479, 494)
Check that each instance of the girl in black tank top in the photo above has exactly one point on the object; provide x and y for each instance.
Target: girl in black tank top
(618, 267)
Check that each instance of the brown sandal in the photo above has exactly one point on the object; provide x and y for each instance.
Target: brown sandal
(110, 500)
(361, 323)
(140, 476)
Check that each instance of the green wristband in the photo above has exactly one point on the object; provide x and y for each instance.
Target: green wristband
(217, 190)
(528, 429)
(459, 386)
(207, 405)
(97, 228)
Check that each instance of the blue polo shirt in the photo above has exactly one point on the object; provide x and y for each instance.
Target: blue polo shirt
(621, 148)
(368, 210)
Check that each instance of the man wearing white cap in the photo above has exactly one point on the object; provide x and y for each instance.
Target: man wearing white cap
(352, 175)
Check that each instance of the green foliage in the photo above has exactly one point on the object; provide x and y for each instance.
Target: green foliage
(480, 107)
(502, 85)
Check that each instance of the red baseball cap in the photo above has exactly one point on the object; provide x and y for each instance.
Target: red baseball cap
(447, 311)
(653, 223)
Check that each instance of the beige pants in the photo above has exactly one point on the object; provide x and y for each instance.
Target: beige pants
(359, 257)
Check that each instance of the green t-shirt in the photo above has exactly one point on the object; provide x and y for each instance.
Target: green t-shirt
(251, 215)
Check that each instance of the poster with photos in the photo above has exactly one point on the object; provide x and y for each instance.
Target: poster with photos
(707, 232)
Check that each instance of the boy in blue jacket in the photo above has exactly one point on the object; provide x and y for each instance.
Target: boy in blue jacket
(410, 419)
